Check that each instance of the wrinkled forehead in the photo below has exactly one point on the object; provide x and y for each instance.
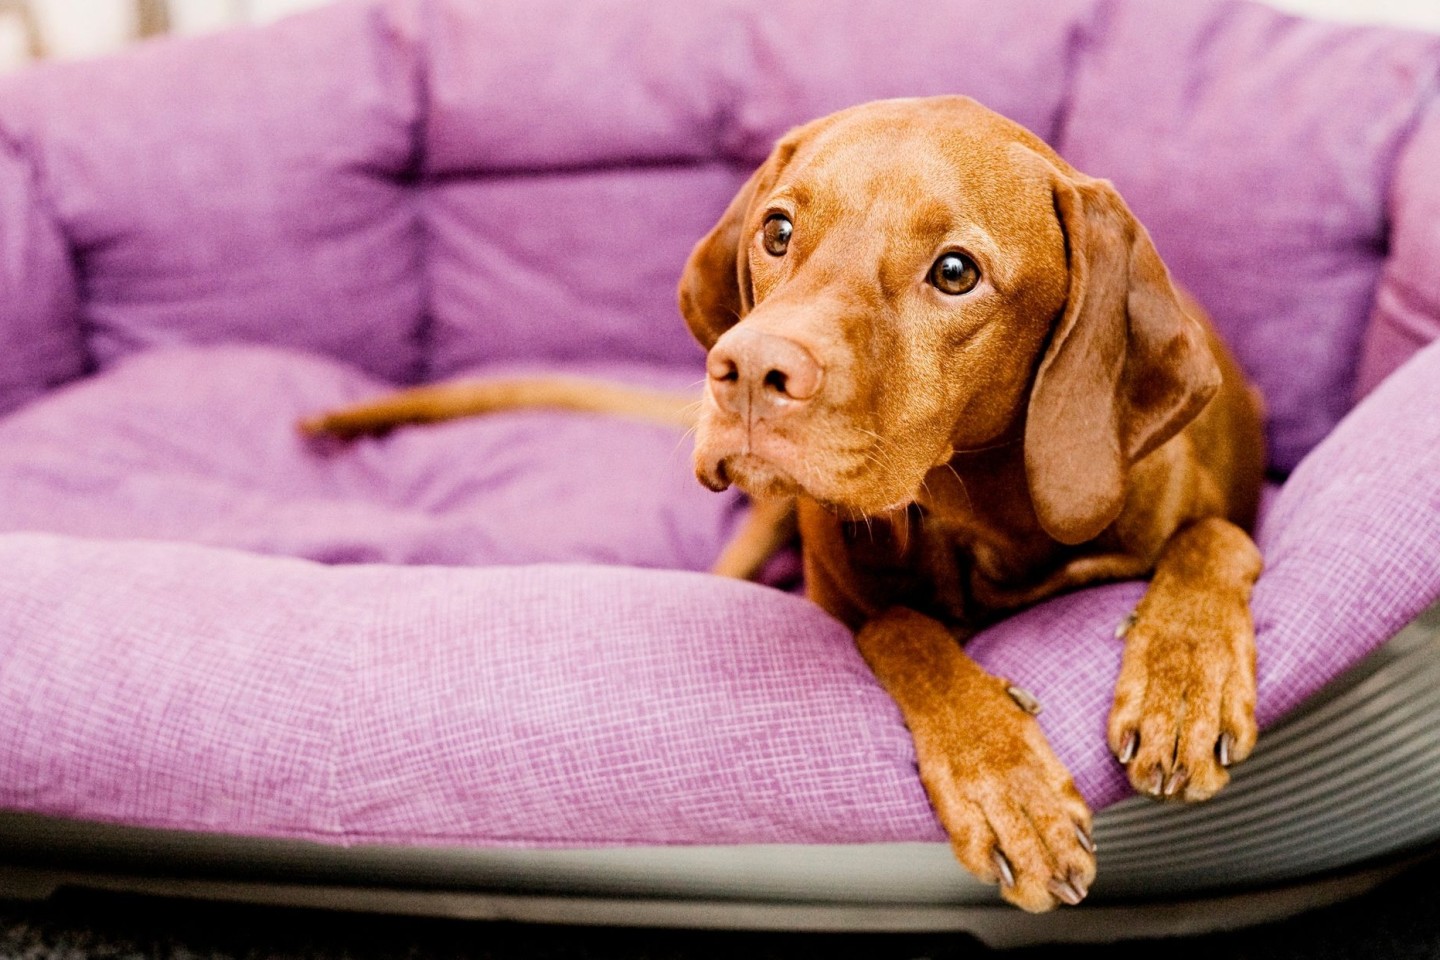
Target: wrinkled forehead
(933, 170)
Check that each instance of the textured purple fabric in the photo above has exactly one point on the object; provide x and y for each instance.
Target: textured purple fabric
(506, 251)
(418, 186)
(384, 190)
(518, 86)
(1352, 541)
(169, 685)
(640, 161)
(1256, 148)
(40, 340)
(179, 686)
(199, 444)
(1407, 304)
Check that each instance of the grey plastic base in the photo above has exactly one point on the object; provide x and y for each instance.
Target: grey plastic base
(1349, 780)
(997, 925)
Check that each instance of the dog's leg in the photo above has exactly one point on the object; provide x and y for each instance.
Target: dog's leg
(1012, 812)
(769, 527)
(1185, 700)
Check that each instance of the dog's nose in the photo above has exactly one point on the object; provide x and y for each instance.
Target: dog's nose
(761, 374)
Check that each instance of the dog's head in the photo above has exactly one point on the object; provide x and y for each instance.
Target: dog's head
(911, 278)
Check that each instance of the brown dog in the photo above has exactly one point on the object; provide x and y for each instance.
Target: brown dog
(966, 362)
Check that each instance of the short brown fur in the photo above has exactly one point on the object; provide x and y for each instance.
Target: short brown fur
(1071, 420)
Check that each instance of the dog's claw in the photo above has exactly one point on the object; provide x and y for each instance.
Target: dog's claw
(1066, 892)
(1125, 625)
(1025, 699)
(1086, 841)
(1132, 744)
(1003, 868)
(1176, 781)
(1223, 747)
(1156, 785)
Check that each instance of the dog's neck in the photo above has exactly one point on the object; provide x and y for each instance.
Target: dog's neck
(967, 542)
(984, 490)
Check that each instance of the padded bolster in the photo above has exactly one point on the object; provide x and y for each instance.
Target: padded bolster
(597, 279)
(250, 186)
(40, 342)
(521, 85)
(196, 688)
(168, 685)
(1407, 305)
(1352, 543)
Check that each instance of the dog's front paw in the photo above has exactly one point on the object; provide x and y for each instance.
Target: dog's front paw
(1185, 701)
(1012, 812)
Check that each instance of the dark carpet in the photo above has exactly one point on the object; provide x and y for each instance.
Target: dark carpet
(1399, 920)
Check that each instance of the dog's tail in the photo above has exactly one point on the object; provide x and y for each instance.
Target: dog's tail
(448, 401)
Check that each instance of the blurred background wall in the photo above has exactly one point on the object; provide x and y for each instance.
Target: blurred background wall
(76, 28)
(79, 28)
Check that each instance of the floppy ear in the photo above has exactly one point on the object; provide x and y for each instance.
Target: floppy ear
(715, 287)
(1125, 370)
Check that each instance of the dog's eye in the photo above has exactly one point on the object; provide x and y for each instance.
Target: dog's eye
(954, 274)
(776, 234)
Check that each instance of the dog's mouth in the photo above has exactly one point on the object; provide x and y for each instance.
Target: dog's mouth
(752, 473)
(844, 474)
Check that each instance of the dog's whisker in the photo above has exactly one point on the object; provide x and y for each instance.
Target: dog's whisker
(687, 435)
(969, 503)
(905, 532)
(993, 446)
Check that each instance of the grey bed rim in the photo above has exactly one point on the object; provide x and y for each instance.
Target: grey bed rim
(1335, 796)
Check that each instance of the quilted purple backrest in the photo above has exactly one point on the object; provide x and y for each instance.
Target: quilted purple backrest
(569, 176)
(251, 186)
(423, 186)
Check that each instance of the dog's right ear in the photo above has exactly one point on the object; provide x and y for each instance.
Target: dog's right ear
(715, 287)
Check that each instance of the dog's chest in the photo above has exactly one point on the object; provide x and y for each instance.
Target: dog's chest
(955, 565)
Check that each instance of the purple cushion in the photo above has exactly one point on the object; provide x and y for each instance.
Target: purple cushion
(504, 252)
(639, 84)
(178, 686)
(639, 162)
(199, 444)
(244, 186)
(170, 685)
(1406, 315)
(419, 186)
(40, 339)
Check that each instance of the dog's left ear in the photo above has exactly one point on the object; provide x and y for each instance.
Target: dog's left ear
(1125, 370)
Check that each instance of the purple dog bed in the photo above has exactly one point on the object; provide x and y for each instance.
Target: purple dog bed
(492, 633)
